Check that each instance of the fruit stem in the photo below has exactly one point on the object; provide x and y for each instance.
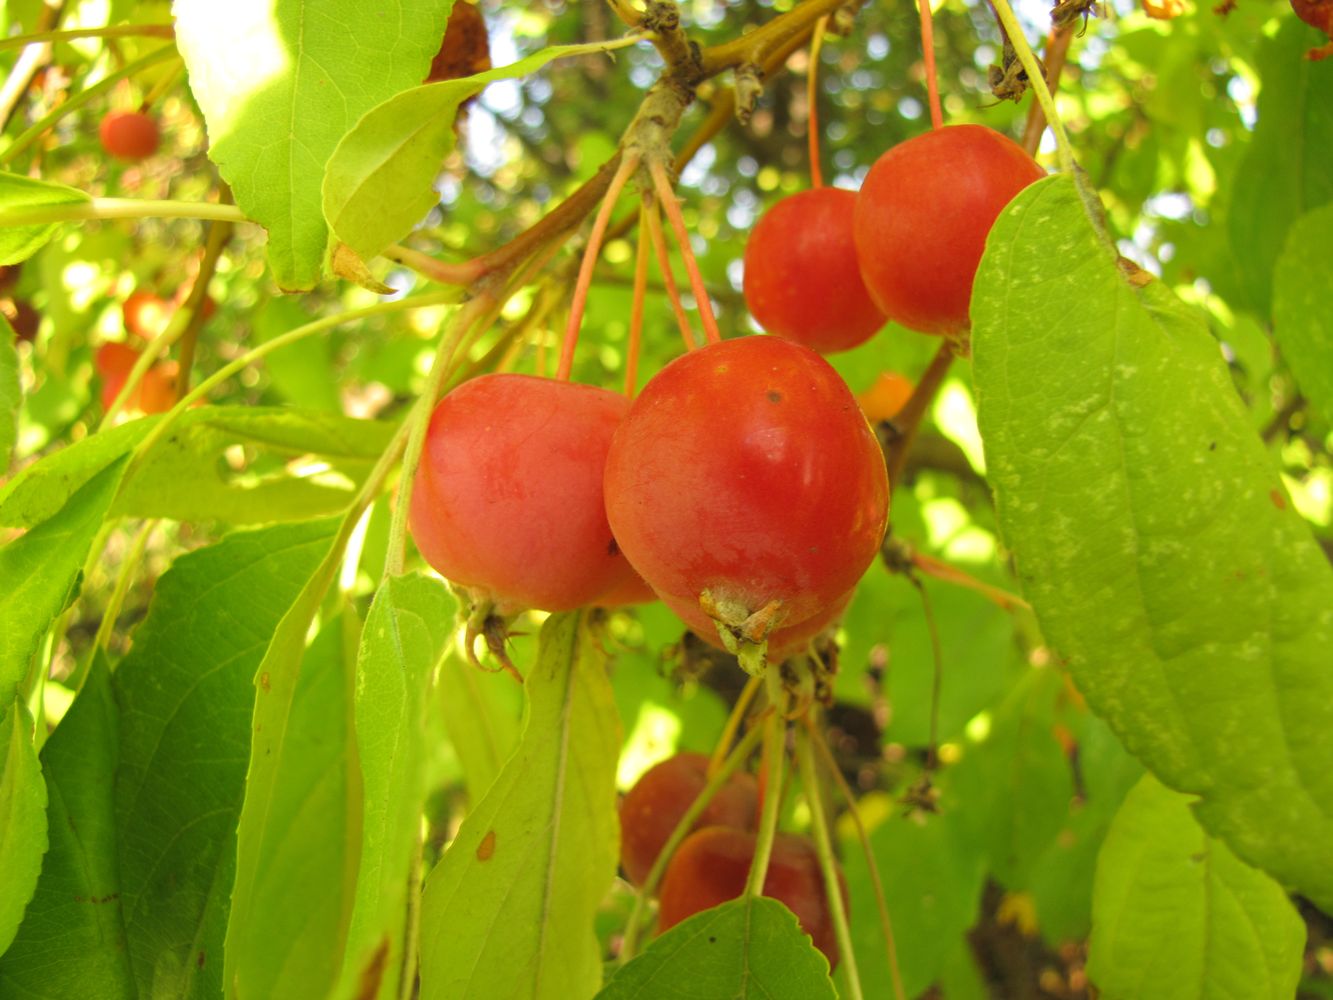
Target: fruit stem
(1064, 152)
(429, 267)
(1057, 48)
(937, 657)
(716, 780)
(133, 560)
(219, 234)
(654, 222)
(908, 420)
(885, 923)
(668, 197)
(590, 254)
(115, 31)
(636, 308)
(117, 208)
(928, 53)
(812, 100)
(805, 761)
(775, 732)
(39, 127)
(733, 725)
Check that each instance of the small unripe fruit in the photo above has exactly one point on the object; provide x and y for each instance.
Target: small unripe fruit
(129, 135)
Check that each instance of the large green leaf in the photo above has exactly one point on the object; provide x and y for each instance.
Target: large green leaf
(40, 571)
(1301, 316)
(277, 759)
(749, 949)
(185, 692)
(377, 185)
(22, 819)
(1285, 170)
(932, 882)
(280, 82)
(308, 849)
(187, 477)
(20, 195)
(406, 632)
(72, 942)
(11, 393)
(1177, 917)
(1152, 535)
(509, 910)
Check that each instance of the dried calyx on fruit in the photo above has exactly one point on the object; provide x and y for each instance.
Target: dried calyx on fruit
(746, 482)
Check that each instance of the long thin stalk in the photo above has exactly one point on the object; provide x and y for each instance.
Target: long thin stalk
(775, 754)
(636, 309)
(69, 34)
(1064, 151)
(828, 866)
(653, 221)
(885, 923)
(117, 208)
(812, 101)
(672, 208)
(590, 254)
(734, 721)
(928, 54)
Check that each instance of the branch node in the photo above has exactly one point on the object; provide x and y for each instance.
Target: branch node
(749, 88)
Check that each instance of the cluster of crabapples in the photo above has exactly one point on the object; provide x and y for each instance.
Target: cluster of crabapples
(743, 486)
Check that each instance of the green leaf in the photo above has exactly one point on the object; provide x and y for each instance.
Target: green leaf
(480, 712)
(1285, 169)
(1014, 787)
(187, 476)
(72, 942)
(22, 819)
(509, 909)
(932, 883)
(1152, 536)
(41, 571)
(377, 185)
(186, 693)
(1301, 320)
(307, 851)
(11, 393)
(303, 371)
(409, 624)
(752, 947)
(276, 752)
(1177, 917)
(280, 82)
(1061, 880)
(24, 195)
